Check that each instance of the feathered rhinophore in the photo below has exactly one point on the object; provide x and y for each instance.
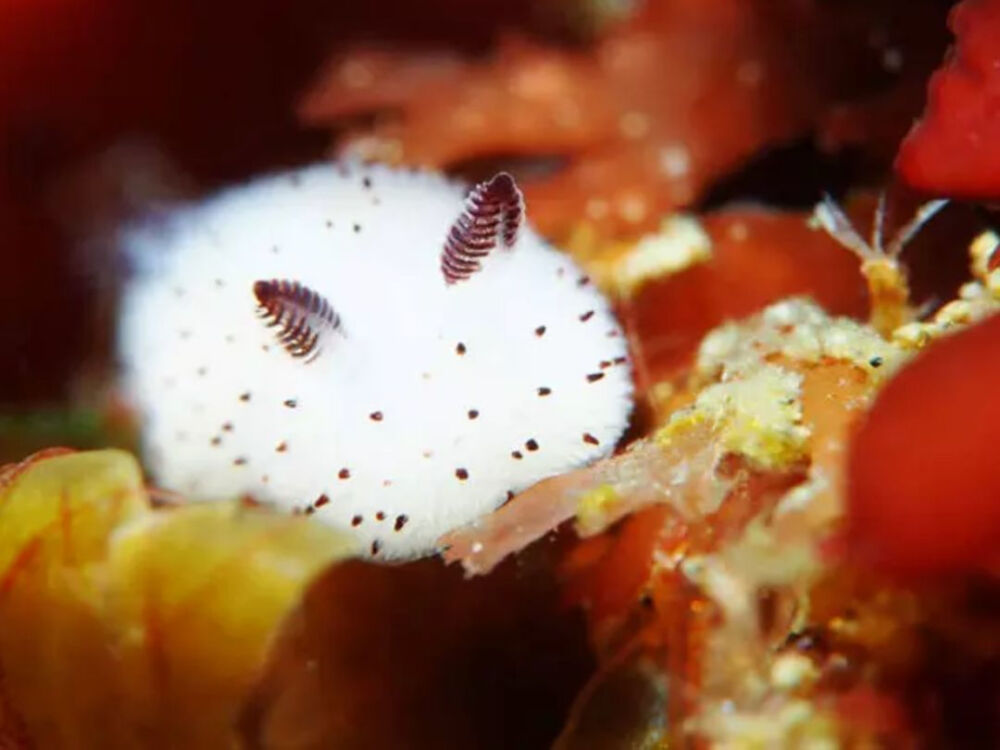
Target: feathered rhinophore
(493, 213)
(301, 315)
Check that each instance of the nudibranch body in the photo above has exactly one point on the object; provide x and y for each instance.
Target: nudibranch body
(370, 346)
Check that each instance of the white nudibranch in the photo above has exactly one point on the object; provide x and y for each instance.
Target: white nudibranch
(358, 343)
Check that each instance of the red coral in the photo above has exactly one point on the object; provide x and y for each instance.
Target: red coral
(955, 148)
(923, 488)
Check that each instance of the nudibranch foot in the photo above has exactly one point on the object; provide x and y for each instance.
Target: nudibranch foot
(493, 213)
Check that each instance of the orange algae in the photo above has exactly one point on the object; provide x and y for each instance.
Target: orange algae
(633, 143)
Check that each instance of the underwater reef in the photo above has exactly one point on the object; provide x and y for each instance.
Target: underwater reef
(790, 208)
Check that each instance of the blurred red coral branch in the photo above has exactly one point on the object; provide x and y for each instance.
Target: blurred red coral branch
(924, 492)
(955, 148)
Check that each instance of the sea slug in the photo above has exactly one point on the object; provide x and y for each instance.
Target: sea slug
(379, 348)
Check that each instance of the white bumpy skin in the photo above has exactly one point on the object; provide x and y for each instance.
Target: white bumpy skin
(421, 407)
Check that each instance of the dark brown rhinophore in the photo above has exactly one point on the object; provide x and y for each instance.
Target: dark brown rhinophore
(301, 315)
(494, 211)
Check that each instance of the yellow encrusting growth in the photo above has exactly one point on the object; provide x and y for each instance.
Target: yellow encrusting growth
(679, 244)
(621, 269)
(759, 416)
(594, 508)
(977, 299)
(797, 329)
(981, 251)
(751, 384)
